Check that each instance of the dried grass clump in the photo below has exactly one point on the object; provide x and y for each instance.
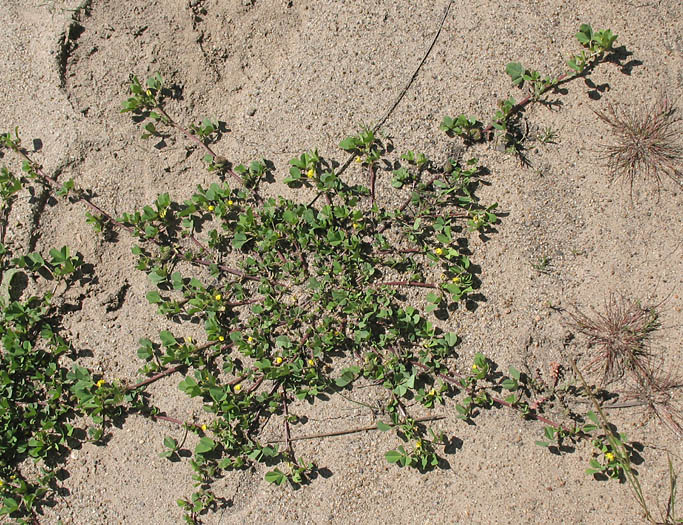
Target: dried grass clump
(656, 390)
(647, 144)
(619, 335)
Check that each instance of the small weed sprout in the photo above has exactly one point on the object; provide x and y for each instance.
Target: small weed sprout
(646, 146)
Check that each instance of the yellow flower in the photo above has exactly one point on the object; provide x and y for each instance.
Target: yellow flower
(218, 297)
(310, 173)
(204, 428)
(221, 338)
(418, 444)
(100, 383)
(230, 203)
(238, 387)
(149, 92)
(475, 367)
(311, 362)
(456, 279)
(278, 360)
(1, 483)
(211, 208)
(358, 160)
(250, 339)
(438, 251)
(188, 339)
(432, 392)
(609, 456)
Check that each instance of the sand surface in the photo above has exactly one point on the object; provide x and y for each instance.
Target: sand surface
(287, 76)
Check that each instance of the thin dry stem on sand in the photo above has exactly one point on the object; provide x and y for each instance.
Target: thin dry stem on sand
(646, 146)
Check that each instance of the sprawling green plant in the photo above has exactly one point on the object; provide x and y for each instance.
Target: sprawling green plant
(298, 301)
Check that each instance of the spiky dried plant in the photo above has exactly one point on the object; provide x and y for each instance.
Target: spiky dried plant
(619, 334)
(658, 388)
(647, 144)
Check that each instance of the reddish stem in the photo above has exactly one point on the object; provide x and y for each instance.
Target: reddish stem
(155, 377)
(409, 283)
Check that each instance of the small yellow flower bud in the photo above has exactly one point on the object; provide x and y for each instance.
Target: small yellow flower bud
(310, 173)
(278, 360)
(456, 279)
(475, 367)
(188, 339)
(358, 160)
(1, 483)
(204, 428)
(418, 444)
(250, 339)
(438, 251)
(218, 297)
(100, 383)
(221, 338)
(149, 92)
(355, 225)
(211, 207)
(311, 362)
(432, 392)
(230, 203)
(238, 387)
(609, 456)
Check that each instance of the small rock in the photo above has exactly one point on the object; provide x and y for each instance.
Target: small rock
(251, 112)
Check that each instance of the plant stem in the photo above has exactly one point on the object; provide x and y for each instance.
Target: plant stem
(350, 430)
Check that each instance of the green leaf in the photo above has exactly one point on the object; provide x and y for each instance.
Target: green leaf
(509, 384)
(349, 144)
(348, 375)
(451, 338)
(171, 443)
(516, 72)
(383, 427)
(591, 415)
(585, 34)
(239, 240)
(447, 124)
(154, 297)
(10, 505)
(167, 338)
(275, 476)
(205, 445)
(595, 464)
(394, 456)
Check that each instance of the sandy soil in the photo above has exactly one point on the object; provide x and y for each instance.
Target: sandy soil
(287, 76)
